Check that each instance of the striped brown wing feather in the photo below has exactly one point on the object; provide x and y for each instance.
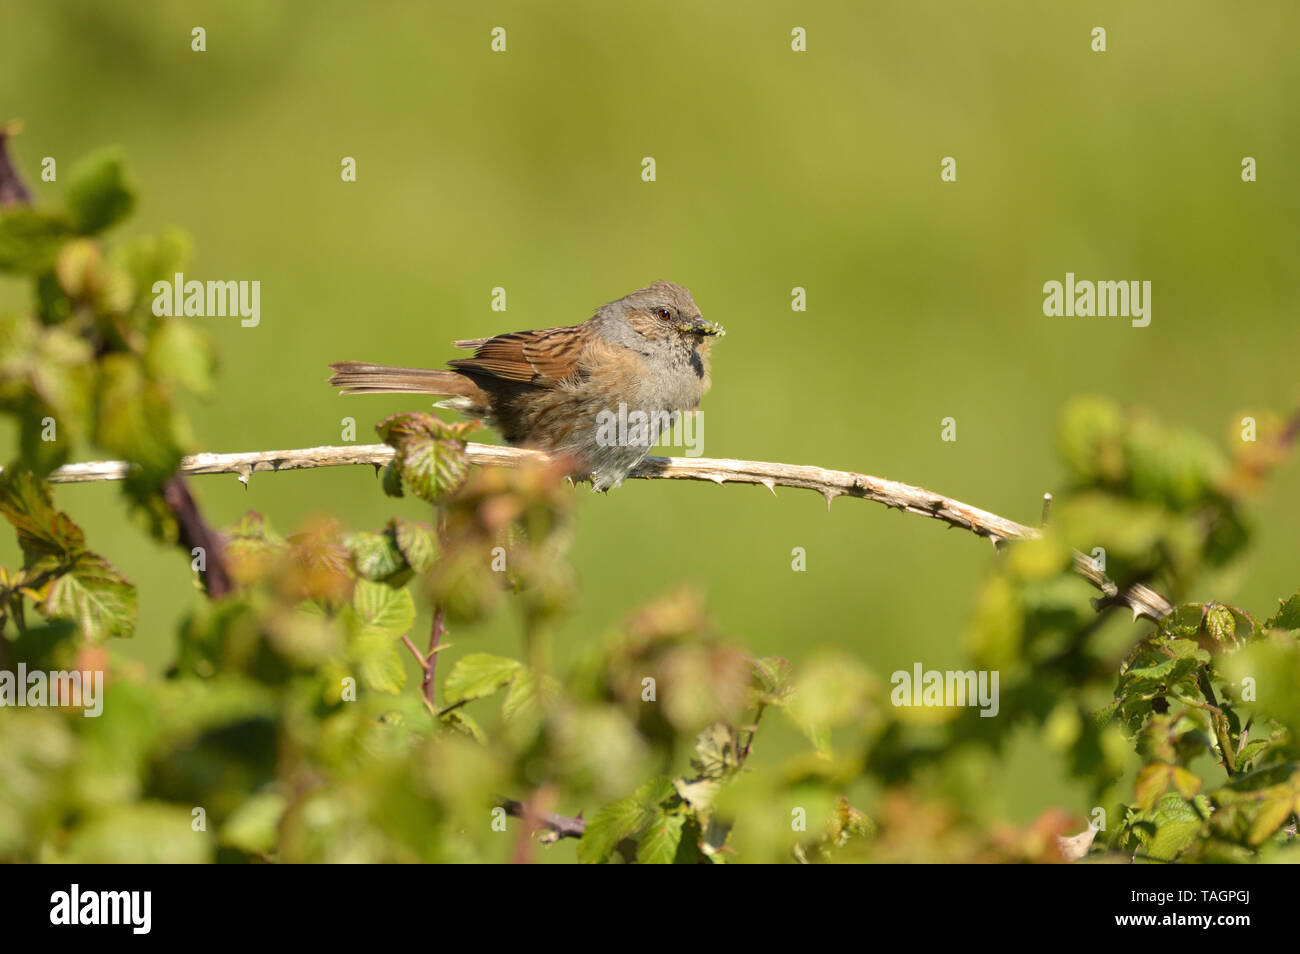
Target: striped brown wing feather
(533, 357)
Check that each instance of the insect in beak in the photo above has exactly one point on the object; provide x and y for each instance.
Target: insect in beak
(698, 326)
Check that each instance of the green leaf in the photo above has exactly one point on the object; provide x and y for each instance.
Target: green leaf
(1221, 624)
(94, 595)
(100, 194)
(1253, 748)
(717, 751)
(430, 454)
(622, 819)
(659, 844)
(478, 675)
(391, 478)
(383, 608)
(27, 502)
(417, 541)
(1287, 615)
(434, 468)
(375, 652)
(1102, 717)
(1172, 838)
(1156, 675)
(698, 793)
(375, 555)
(1185, 620)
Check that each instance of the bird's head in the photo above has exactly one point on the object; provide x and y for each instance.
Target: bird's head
(663, 312)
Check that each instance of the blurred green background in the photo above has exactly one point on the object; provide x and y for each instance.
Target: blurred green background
(775, 169)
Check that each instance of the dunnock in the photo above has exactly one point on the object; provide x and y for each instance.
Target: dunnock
(558, 389)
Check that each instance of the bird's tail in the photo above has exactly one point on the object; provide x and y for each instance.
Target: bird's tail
(356, 377)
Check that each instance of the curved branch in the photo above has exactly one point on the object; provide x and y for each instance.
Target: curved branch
(1142, 600)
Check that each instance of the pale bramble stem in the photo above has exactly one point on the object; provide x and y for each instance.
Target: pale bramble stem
(1141, 600)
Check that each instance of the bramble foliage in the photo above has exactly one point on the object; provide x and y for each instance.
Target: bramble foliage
(287, 729)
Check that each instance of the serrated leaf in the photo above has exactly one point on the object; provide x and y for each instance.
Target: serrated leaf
(1184, 648)
(418, 543)
(433, 468)
(1220, 624)
(1172, 838)
(622, 819)
(1156, 674)
(1102, 717)
(659, 844)
(375, 555)
(383, 608)
(430, 454)
(1287, 615)
(478, 675)
(1185, 620)
(95, 596)
(27, 502)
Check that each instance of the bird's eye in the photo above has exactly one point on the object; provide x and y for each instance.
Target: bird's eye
(663, 313)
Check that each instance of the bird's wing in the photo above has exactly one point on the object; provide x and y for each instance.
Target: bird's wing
(534, 357)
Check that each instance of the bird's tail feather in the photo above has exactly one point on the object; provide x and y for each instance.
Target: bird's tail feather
(356, 377)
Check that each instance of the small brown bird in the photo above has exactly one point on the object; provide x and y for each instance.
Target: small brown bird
(644, 357)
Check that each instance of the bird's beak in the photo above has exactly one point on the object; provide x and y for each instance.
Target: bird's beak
(698, 326)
